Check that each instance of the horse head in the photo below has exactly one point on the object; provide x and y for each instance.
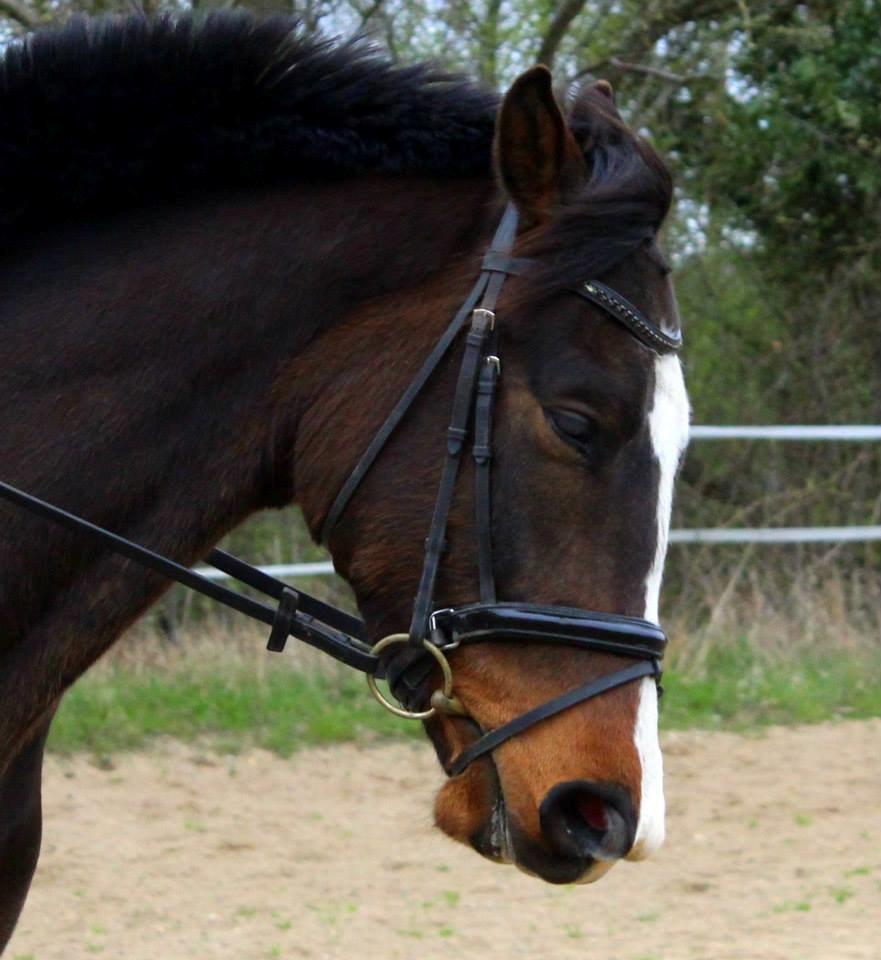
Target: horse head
(589, 427)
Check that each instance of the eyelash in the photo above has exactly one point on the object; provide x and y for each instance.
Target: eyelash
(581, 442)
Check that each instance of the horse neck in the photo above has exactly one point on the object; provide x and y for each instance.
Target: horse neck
(160, 397)
(150, 382)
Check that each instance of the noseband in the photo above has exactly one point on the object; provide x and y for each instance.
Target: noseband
(410, 659)
(434, 632)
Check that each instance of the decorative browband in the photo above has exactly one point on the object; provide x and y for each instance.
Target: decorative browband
(604, 297)
(632, 317)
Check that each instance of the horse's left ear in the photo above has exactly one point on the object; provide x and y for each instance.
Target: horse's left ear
(604, 88)
(537, 157)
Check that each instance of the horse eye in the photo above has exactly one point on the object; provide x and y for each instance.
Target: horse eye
(572, 427)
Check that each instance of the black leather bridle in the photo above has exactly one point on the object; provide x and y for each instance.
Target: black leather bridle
(410, 661)
(432, 630)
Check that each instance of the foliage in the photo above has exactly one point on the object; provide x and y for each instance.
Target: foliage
(795, 155)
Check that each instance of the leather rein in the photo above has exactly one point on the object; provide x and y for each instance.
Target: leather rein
(411, 658)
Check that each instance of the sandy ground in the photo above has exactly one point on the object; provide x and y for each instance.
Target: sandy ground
(774, 853)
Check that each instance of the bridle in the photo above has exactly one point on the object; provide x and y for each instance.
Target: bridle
(440, 631)
(408, 660)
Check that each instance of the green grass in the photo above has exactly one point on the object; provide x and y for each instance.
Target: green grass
(237, 704)
(738, 688)
(119, 709)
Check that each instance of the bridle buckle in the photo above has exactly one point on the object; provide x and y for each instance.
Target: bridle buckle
(435, 634)
(488, 317)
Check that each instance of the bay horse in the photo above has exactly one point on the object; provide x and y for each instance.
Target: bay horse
(226, 249)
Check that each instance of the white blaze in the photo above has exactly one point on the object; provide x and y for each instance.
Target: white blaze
(668, 428)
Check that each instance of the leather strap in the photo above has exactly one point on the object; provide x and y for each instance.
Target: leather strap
(349, 650)
(509, 621)
(482, 324)
(482, 453)
(284, 620)
(258, 580)
(495, 738)
(456, 435)
(400, 409)
(618, 307)
(409, 672)
(488, 286)
(632, 317)
(500, 261)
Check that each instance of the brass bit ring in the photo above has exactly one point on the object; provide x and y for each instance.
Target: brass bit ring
(395, 639)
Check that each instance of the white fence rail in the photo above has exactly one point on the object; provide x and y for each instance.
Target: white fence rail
(284, 571)
(776, 535)
(854, 433)
(715, 535)
(858, 433)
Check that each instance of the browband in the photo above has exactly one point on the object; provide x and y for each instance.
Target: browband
(598, 293)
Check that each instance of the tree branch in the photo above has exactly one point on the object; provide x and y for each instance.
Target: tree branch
(368, 12)
(561, 22)
(626, 67)
(648, 71)
(488, 38)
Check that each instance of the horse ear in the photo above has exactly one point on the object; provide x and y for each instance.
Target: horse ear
(601, 92)
(605, 88)
(537, 158)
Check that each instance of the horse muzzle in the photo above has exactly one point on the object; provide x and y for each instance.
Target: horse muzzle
(584, 829)
(409, 669)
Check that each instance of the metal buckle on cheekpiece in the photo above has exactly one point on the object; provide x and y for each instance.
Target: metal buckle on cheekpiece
(436, 635)
(442, 699)
(488, 317)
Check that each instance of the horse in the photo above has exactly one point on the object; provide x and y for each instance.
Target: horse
(227, 246)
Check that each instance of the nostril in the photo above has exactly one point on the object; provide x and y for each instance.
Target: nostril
(592, 811)
(584, 819)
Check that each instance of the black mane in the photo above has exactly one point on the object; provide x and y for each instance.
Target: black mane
(101, 114)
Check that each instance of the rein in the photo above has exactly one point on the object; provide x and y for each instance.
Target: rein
(411, 658)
